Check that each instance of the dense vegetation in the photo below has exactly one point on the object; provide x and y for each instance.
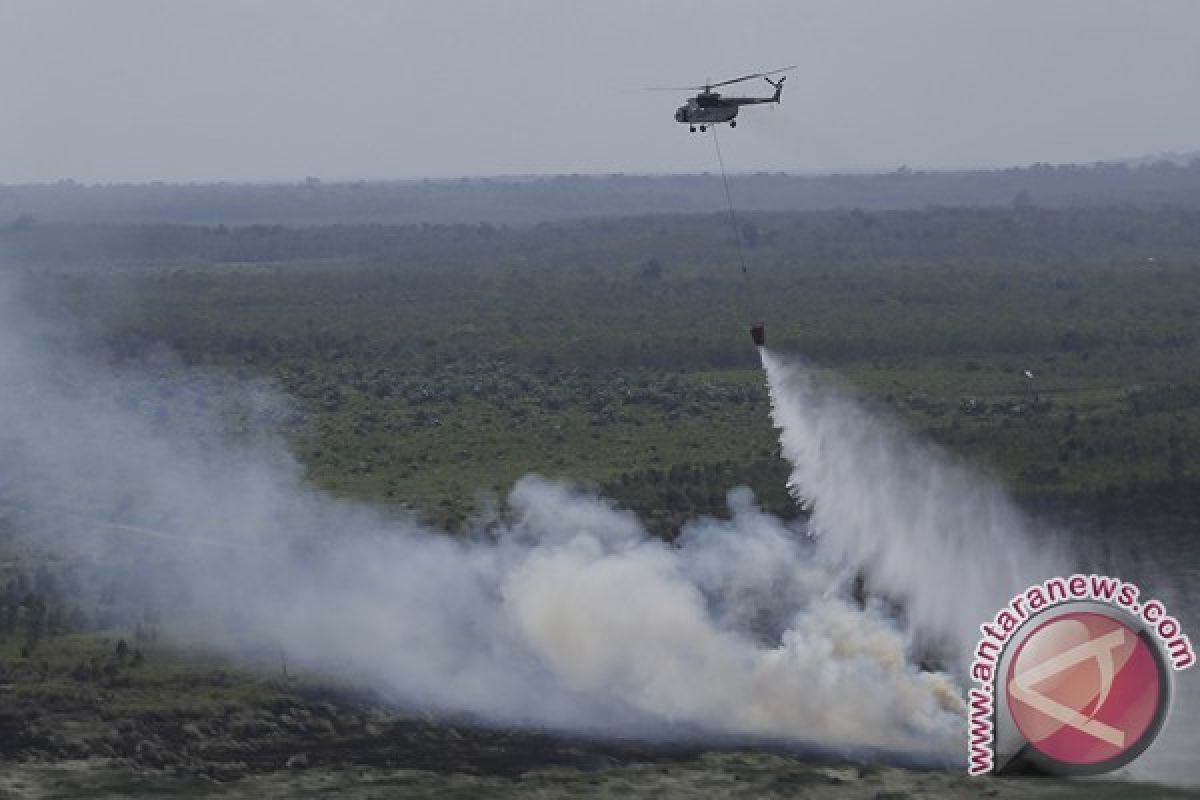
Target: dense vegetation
(429, 362)
(523, 201)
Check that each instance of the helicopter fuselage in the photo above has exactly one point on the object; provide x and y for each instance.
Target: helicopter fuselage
(710, 108)
(695, 114)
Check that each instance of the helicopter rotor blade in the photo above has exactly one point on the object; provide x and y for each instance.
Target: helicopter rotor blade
(753, 75)
(737, 80)
(710, 86)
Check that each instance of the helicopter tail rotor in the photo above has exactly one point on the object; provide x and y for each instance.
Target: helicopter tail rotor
(778, 86)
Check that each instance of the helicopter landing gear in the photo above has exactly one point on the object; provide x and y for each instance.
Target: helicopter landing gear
(733, 123)
(693, 129)
(703, 128)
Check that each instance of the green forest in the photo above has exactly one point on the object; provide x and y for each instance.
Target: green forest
(526, 200)
(431, 362)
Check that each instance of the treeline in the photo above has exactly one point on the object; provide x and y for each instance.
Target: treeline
(47, 602)
(830, 238)
(658, 292)
(524, 201)
(32, 608)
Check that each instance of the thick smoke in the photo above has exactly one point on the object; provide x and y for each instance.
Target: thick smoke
(561, 611)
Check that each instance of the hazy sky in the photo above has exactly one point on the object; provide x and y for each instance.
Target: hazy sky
(139, 90)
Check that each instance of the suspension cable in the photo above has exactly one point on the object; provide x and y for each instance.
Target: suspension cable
(737, 234)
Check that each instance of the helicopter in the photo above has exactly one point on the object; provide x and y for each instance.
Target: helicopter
(710, 108)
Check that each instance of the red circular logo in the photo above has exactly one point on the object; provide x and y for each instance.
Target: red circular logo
(1086, 691)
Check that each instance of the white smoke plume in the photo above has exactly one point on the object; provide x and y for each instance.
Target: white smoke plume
(562, 611)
